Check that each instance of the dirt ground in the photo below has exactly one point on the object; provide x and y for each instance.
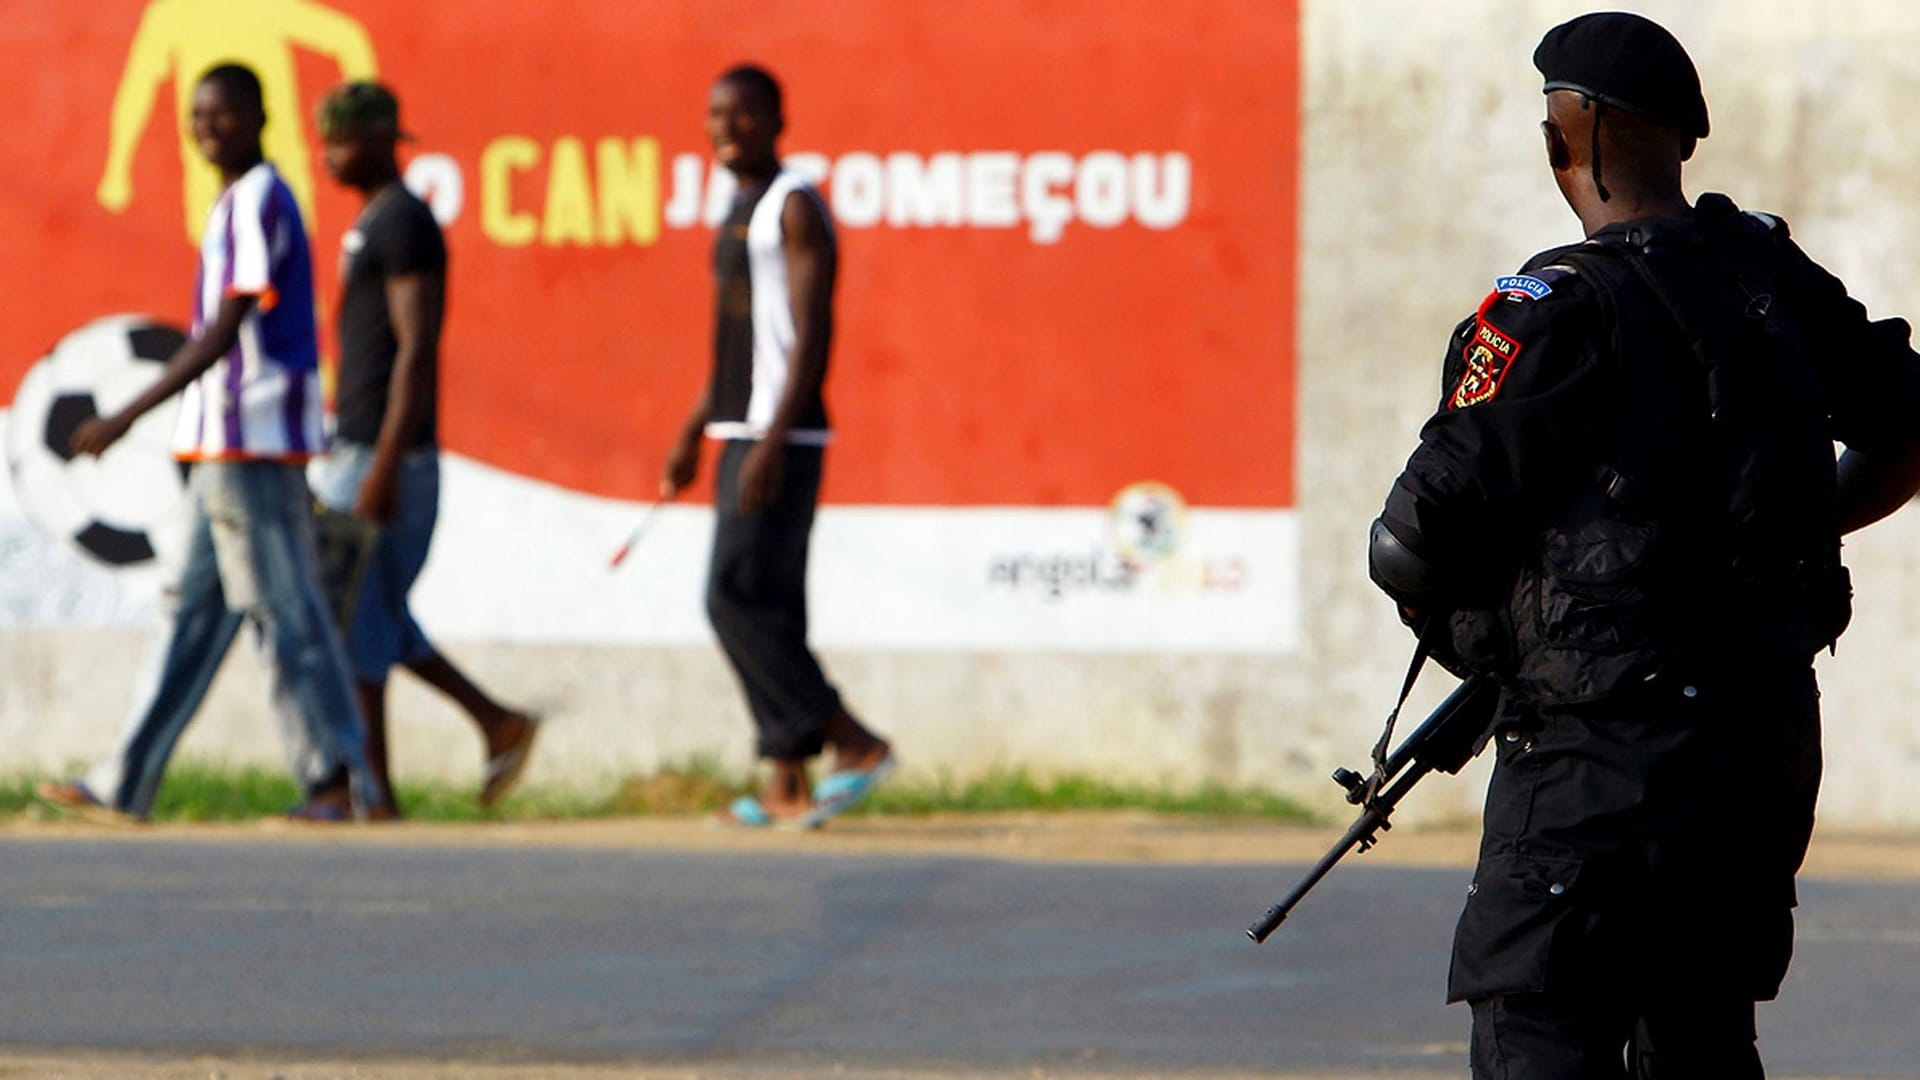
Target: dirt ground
(1105, 837)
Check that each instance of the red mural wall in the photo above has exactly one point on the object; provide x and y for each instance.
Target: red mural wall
(1068, 227)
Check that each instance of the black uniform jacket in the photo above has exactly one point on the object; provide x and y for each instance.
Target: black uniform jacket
(1580, 445)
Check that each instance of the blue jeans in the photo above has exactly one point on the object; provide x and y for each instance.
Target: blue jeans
(384, 632)
(250, 558)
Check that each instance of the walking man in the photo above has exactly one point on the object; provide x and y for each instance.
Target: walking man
(249, 420)
(385, 463)
(774, 264)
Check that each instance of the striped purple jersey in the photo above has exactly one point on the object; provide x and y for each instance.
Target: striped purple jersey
(262, 399)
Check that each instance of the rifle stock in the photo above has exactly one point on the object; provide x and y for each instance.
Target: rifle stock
(1446, 740)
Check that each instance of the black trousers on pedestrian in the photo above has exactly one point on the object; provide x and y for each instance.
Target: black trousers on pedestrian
(1634, 896)
(757, 603)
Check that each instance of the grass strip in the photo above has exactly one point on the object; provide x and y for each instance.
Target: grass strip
(1018, 790)
(201, 792)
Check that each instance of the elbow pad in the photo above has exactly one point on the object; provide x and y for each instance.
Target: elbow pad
(1398, 570)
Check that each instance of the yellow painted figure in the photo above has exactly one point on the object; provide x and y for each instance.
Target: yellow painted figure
(181, 39)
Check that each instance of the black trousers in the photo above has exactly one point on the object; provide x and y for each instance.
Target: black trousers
(1635, 883)
(757, 603)
(1566, 1037)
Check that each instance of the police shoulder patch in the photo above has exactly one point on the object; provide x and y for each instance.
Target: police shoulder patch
(1489, 354)
(1521, 286)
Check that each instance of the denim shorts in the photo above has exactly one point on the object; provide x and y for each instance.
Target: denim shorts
(384, 632)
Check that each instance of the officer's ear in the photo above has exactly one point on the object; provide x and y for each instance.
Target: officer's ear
(1558, 154)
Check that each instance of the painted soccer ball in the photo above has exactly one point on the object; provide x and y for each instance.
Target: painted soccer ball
(124, 507)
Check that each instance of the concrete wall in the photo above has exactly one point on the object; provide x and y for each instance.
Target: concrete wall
(1423, 181)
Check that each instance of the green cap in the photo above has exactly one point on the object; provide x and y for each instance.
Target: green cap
(358, 108)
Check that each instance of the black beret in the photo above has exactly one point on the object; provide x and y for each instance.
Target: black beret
(1627, 62)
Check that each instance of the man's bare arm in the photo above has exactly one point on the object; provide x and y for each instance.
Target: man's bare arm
(416, 305)
(810, 279)
(683, 458)
(188, 362)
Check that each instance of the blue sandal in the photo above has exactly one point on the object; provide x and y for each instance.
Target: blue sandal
(841, 790)
(744, 812)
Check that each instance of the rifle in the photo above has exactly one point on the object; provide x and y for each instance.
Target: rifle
(1449, 738)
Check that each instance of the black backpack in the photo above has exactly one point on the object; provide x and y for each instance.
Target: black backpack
(1709, 533)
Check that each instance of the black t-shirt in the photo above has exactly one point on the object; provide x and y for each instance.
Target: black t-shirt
(396, 235)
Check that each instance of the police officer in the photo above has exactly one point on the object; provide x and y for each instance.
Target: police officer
(1628, 510)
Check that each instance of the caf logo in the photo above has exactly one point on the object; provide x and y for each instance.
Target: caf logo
(1145, 520)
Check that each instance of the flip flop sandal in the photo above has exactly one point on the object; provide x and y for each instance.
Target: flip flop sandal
(744, 812)
(75, 799)
(841, 790)
(504, 768)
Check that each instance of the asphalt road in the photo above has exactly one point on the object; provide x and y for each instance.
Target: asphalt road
(527, 954)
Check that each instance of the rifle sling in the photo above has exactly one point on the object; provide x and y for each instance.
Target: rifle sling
(1379, 779)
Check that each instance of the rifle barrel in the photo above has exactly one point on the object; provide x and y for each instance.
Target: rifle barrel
(1446, 740)
(1371, 820)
